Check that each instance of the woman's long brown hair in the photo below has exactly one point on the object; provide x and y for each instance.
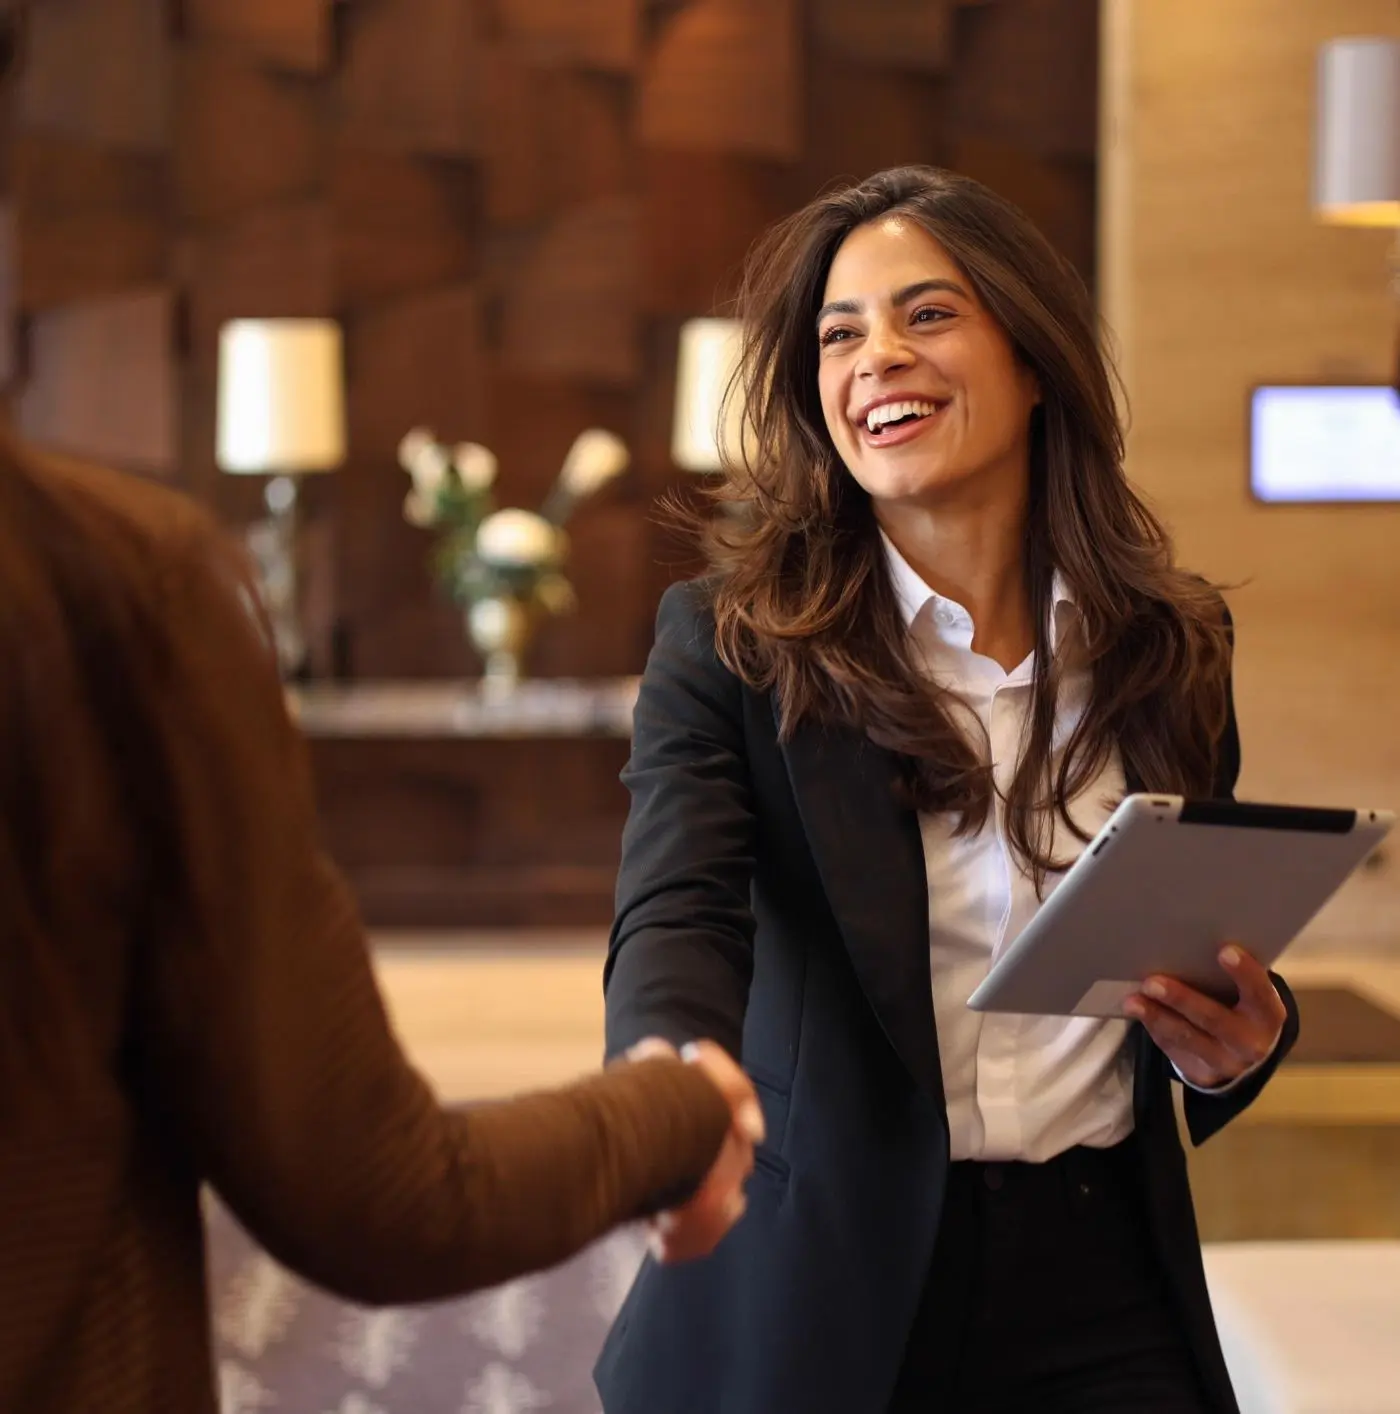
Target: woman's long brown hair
(803, 601)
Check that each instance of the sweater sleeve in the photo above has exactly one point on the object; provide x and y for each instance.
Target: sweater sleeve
(266, 1052)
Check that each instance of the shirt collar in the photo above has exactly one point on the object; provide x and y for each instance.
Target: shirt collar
(916, 598)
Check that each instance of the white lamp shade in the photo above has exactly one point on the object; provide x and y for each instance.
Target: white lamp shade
(1357, 176)
(281, 396)
(709, 355)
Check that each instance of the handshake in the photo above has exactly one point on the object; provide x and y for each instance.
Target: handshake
(695, 1229)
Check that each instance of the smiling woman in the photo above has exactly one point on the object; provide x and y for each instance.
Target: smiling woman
(940, 639)
(924, 369)
(923, 287)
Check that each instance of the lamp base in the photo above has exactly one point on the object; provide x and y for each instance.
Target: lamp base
(273, 546)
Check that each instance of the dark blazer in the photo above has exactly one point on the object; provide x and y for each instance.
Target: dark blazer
(774, 896)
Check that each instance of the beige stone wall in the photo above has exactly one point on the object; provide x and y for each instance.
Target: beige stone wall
(1216, 277)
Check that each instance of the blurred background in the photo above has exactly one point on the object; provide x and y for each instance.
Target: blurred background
(249, 247)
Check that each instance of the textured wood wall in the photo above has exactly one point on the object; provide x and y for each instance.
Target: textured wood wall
(511, 205)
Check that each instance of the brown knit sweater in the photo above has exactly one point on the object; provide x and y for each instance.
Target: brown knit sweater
(252, 1052)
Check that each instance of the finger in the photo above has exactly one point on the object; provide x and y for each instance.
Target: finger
(695, 1230)
(1195, 1054)
(1259, 998)
(1204, 1012)
(726, 1177)
(699, 1235)
(733, 1084)
(733, 1164)
(649, 1048)
(1233, 1030)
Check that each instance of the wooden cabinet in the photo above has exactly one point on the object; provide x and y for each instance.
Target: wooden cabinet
(448, 810)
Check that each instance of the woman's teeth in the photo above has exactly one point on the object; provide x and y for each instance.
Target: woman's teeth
(881, 417)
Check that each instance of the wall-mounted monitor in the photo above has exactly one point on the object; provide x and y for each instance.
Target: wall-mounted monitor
(1319, 443)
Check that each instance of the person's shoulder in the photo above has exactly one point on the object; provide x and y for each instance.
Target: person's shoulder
(165, 527)
(686, 617)
(689, 602)
(687, 632)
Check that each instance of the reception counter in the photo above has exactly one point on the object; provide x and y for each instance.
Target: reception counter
(451, 808)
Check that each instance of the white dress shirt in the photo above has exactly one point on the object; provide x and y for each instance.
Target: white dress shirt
(1017, 1087)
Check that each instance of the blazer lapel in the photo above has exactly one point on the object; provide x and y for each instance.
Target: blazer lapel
(869, 852)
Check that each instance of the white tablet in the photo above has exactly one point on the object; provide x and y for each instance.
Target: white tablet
(1163, 886)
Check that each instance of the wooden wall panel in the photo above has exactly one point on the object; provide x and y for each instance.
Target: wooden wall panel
(290, 34)
(98, 71)
(248, 137)
(902, 122)
(88, 222)
(411, 362)
(588, 147)
(602, 34)
(571, 308)
(530, 421)
(402, 223)
(417, 360)
(701, 213)
(725, 76)
(101, 382)
(389, 629)
(277, 262)
(609, 566)
(894, 34)
(1027, 76)
(559, 138)
(280, 261)
(412, 77)
(1056, 193)
(9, 318)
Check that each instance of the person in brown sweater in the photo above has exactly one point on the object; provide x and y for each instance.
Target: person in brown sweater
(186, 996)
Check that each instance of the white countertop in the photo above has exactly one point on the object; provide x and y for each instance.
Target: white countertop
(537, 707)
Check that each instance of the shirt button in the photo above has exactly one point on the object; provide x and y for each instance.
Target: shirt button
(993, 1177)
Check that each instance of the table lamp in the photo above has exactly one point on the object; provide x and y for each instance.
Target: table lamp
(709, 355)
(281, 414)
(1356, 177)
(1356, 181)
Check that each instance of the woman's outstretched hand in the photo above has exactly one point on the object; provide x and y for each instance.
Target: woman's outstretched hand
(697, 1226)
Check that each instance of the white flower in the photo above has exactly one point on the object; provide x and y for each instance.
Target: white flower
(424, 459)
(414, 443)
(429, 468)
(595, 458)
(514, 537)
(418, 509)
(426, 463)
(475, 465)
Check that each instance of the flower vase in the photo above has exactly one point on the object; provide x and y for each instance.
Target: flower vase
(500, 629)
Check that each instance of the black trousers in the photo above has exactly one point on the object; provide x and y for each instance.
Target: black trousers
(1044, 1294)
